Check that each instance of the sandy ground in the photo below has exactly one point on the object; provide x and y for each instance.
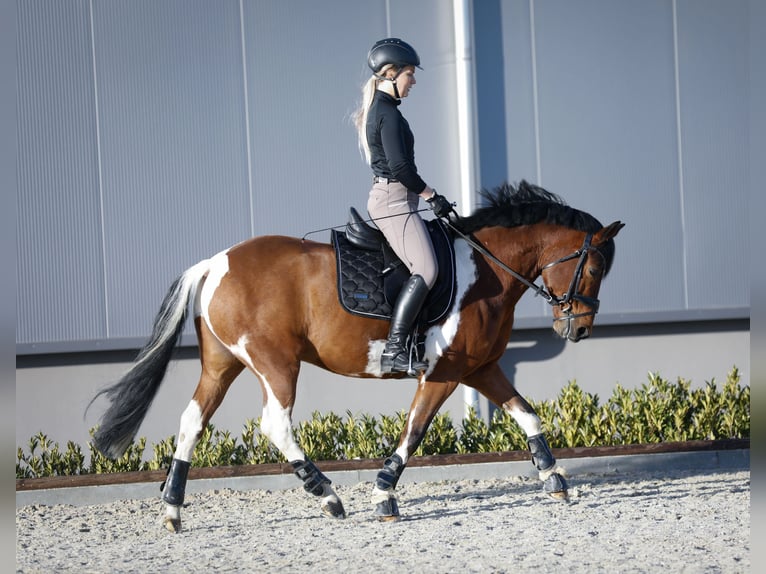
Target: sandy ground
(675, 521)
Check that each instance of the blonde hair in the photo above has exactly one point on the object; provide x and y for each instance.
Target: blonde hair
(359, 117)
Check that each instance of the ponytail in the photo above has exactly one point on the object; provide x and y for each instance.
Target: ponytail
(360, 116)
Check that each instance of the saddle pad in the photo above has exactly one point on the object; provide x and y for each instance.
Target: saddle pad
(362, 287)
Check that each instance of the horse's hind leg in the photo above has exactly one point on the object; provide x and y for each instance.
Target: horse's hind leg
(277, 370)
(219, 369)
(491, 381)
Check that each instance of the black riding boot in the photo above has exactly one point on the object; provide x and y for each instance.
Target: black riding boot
(396, 356)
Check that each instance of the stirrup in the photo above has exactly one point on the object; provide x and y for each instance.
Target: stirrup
(401, 362)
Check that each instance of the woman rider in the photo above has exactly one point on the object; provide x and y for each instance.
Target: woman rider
(388, 145)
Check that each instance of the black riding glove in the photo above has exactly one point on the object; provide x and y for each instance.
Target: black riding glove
(439, 204)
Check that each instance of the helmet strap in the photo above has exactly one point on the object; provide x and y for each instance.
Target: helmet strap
(393, 81)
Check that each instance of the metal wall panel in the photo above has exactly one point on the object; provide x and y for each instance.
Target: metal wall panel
(714, 106)
(432, 108)
(592, 114)
(153, 134)
(59, 260)
(173, 145)
(307, 168)
(607, 137)
(305, 65)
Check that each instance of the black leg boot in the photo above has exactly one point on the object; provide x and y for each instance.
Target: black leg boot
(396, 356)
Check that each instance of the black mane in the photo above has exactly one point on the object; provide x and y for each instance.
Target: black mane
(527, 204)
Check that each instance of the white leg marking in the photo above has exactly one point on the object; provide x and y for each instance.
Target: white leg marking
(276, 420)
(191, 426)
(438, 338)
(379, 495)
(276, 424)
(172, 512)
(529, 422)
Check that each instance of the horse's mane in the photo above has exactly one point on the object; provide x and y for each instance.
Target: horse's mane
(527, 204)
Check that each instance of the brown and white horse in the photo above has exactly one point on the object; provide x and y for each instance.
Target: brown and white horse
(269, 303)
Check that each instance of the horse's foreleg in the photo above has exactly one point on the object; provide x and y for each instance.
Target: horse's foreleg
(496, 387)
(276, 424)
(550, 473)
(428, 399)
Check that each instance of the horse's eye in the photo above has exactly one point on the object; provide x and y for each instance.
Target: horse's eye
(594, 271)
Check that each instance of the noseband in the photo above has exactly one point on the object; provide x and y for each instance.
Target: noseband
(564, 302)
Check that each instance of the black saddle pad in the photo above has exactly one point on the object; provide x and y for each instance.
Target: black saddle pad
(370, 279)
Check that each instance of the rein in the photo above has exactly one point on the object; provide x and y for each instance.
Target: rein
(373, 220)
(564, 302)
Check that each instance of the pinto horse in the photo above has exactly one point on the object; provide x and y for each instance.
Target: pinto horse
(269, 303)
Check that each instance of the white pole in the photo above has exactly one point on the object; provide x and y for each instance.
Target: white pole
(466, 132)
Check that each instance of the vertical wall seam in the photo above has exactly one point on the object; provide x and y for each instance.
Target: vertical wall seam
(679, 151)
(388, 18)
(535, 106)
(247, 118)
(99, 170)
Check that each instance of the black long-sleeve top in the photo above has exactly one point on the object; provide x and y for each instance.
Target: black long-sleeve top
(392, 144)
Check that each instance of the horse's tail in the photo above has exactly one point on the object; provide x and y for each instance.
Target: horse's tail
(131, 397)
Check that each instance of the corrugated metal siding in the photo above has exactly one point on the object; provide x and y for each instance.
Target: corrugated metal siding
(173, 145)
(599, 77)
(302, 90)
(60, 294)
(304, 73)
(714, 80)
(153, 134)
(431, 108)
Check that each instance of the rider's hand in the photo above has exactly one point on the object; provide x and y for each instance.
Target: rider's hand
(439, 204)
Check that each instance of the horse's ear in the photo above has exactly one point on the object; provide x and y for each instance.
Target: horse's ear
(607, 233)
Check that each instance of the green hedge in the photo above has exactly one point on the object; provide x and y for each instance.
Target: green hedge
(658, 411)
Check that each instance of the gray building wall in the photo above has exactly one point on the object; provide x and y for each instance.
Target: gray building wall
(154, 134)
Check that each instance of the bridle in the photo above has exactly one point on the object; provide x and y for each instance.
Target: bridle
(571, 295)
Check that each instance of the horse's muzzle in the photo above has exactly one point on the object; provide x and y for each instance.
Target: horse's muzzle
(570, 326)
(569, 329)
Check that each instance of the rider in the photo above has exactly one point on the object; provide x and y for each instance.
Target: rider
(388, 145)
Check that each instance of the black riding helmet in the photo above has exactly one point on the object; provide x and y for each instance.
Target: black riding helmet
(392, 51)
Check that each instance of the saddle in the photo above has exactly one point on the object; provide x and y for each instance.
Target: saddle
(370, 275)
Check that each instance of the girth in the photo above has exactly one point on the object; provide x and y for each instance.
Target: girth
(370, 275)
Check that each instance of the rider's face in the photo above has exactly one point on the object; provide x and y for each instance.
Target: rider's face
(405, 81)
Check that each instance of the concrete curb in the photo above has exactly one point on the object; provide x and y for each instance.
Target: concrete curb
(701, 461)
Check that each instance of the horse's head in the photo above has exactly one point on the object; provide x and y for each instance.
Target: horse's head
(573, 282)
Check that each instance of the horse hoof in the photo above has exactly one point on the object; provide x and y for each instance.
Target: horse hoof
(562, 495)
(556, 486)
(334, 509)
(172, 524)
(387, 510)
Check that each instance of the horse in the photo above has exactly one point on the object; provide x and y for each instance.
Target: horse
(268, 304)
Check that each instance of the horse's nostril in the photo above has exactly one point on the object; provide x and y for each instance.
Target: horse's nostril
(583, 333)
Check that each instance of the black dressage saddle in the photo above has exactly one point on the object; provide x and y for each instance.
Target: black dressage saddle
(370, 275)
